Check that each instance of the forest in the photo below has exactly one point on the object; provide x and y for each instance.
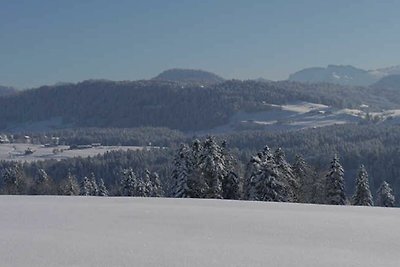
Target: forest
(181, 106)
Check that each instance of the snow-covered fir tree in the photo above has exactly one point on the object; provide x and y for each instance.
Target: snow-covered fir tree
(310, 186)
(197, 183)
(143, 185)
(103, 192)
(41, 183)
(287, 176)
(213, 167)
(362, 195)
(384, 196)
(86, 187)
(13, 182)
(156, 189)
(70, 186)
(180, 173)
(95, 188)
(252, 170)
(230, 186)
(334, 184)
(265, 183)
(128, 183)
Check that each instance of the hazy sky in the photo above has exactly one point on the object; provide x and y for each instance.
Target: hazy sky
(47, 41)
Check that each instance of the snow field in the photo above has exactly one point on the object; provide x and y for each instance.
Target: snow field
(96, 231)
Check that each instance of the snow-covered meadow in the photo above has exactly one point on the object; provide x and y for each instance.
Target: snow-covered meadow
(96, 231)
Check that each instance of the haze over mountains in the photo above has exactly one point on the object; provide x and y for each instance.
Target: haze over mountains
(345, 75)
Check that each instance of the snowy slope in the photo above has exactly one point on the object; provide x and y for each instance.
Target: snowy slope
(89, 231)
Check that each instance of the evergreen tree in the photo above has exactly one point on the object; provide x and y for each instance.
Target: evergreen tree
(180, 173)
(70, 186)
(335, 192)
(384, 196)
(287, 176)
(197, 183)
(103, 192)
(265, 183)
(143, 185)
(156, 187)
(13, 183)
(213, 167)
(252, 171)
(362, 195)
(95, 188)
(230, 186)
(86, 187)
(41, 183)
(128, 183)
(310, 186)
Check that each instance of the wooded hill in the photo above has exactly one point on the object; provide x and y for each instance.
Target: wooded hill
(171, 104)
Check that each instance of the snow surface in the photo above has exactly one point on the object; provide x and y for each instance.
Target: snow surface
(16, 152)
(90, 231)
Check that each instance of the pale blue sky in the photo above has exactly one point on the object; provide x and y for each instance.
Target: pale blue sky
(47, 41)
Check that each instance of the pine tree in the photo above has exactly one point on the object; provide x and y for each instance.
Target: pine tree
(103, 192)
(86, 187)
(384, 196)
(70, 186)
(128, 183)
(335, 192)
(287, 176)
(362, 195)
(95, 188)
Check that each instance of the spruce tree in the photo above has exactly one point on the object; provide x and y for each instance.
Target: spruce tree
(213, 167)
(287, 176)
(230, 186)
(13, 183)
(95, 188)
(156, 187)
(128, 183)
(103, 192)
(265, 182)
(41, 183)
(70, 186)
(334, 185)
(197, 183)
(384, 196)
(180, 173)
(362, 195)
(86, 187)
(310, 186)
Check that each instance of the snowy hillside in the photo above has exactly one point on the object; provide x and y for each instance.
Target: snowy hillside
(88, 231)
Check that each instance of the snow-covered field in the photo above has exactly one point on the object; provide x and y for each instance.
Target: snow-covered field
(89, 231)
(16, 152)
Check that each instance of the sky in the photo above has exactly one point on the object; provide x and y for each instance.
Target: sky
(50, 41)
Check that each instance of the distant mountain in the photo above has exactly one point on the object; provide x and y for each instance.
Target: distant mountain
(385, 71)
(345, 75)
(189, 76)
(5, 90)
(388, 82)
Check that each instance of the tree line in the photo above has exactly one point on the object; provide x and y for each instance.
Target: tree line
(208, 169)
